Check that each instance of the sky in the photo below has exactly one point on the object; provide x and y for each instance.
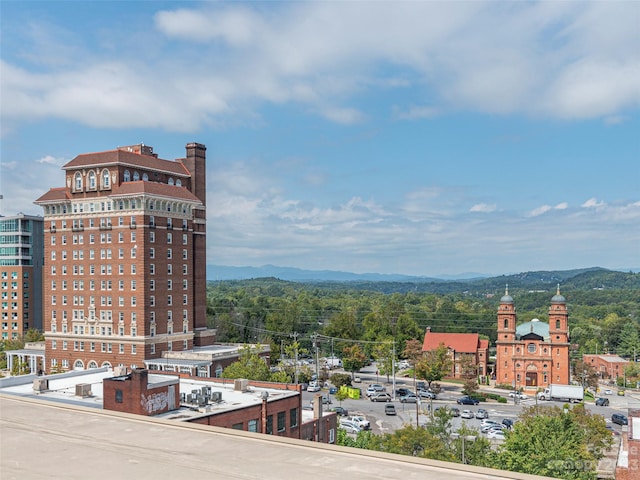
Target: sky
(411, 137)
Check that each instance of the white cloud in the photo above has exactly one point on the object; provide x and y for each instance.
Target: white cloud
(483, 208)
(415, 112)
(592, 203)
(223, 61)
(547, 208)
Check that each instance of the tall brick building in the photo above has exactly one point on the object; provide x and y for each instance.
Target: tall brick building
(533, 354)
(125, 258)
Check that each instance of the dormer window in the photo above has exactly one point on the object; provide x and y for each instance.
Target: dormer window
(178, 183)
(136, 176)
(145, 177)
(170, 181)
(127, 176)
(105, 179)
(78, 182)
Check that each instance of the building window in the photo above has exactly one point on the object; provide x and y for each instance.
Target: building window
(269, 425)
(252, 425)
(118, 396)
(506, 323)
(78, 182)
(237, 426)
(105, 179)
(557, 324)
(293, 417)
(282, 424)
(531, 348)
(92, 180)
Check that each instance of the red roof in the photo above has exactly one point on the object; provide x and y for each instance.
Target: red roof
(460, 342)
(124, 157)
(55, 195)
(154, 188)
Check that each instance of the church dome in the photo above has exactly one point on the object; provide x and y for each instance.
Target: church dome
(506, 298)
(557, 298)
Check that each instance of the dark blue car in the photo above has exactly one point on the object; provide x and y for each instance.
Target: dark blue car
(467, 401)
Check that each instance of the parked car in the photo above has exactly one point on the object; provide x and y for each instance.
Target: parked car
(409, 398)
(375, 388)
(333, 390)
(621, 393)
(467, 414)
(467, 400)
(380, 397)
(342, 412)
(602, 402)
(482, 413)
(349, 427)
(495, 434)
(313, 387)
(608, 392)
(361, 421)
(426, 394)
(619, 419)
(455, 412)
(402, 391)
(357, 379)
(613, 431)
(485, 427)
(421, 385)
(325, 400)
(389, 409)
(507, 422)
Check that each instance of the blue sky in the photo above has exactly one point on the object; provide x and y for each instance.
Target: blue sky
(423, 138)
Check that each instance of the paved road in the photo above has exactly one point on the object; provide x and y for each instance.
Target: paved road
(407, 413)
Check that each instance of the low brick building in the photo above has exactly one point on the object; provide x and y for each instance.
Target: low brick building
(141, 393)
(462, 347)
(607, 366)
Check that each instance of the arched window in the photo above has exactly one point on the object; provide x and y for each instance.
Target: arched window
(178, 183)
(105, 178)
(92, 180)
(557, 324)
(219, 371)
(127, 176)
(92, 364)
(136, 176)
(145, 177)
(78, 365)
(506, 323)
(106, 364)
(170, 181)
(78, 181)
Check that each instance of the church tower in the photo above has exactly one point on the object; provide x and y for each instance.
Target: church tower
(506, 318)
(558, 319)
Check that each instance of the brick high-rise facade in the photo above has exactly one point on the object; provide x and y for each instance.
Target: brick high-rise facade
(533, 354)
(125, 258)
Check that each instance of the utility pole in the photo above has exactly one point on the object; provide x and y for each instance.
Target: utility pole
(393, 368)
(295, 350)
(315, 345)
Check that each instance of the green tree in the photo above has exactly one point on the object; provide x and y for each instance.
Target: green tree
(556, 442)
(414, 441)
(477, 452)
(250, 365)
(586, 374)
(340, 379)
(353, 359)
(434, 365)
(383, 353)
(629, 340)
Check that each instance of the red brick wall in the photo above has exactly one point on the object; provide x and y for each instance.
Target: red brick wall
(137, 397)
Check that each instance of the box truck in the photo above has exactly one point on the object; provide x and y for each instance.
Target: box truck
(562, 393)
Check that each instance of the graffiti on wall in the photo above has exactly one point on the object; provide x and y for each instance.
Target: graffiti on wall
(155, 402)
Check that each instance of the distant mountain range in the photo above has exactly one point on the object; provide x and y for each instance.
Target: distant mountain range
(220, 272)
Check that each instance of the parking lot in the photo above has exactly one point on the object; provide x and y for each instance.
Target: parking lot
(409, 413)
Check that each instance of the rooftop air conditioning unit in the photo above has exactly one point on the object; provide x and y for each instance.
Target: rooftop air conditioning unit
(216, 397)
(241, 385)
(83, 390)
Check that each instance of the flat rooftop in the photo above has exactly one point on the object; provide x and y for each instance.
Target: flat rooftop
(42, 439)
